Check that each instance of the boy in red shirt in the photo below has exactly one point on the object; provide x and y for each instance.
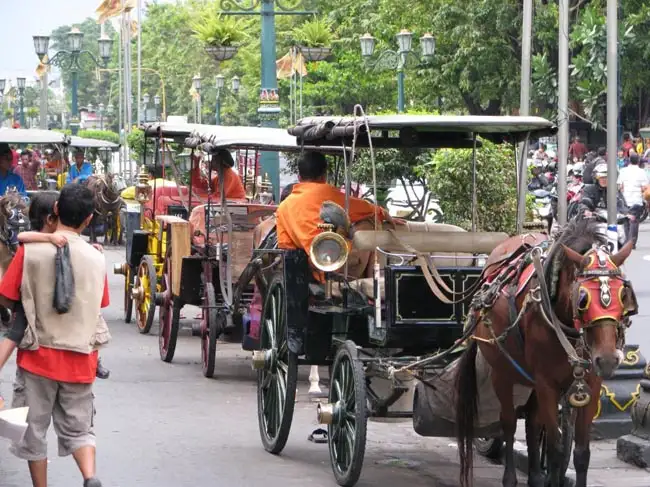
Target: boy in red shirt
(57, 360)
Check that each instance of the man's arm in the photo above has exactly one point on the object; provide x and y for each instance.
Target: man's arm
(57, 239)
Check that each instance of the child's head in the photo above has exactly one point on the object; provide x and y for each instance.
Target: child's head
(41, 212)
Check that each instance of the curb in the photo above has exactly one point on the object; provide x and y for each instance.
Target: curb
(521, 462)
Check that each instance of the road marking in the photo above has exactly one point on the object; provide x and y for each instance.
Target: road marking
(646, 257)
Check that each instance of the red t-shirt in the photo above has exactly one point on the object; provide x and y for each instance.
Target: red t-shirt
(58, 365)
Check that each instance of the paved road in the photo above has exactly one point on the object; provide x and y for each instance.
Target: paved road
(166, 425)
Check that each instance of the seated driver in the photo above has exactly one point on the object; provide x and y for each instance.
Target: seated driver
(234, 187)
(298, 216)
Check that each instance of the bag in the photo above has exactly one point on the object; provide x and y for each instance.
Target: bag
(64, 280)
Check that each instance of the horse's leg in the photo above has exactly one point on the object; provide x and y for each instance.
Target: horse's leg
(504, 391)
(581, 452)
(547, 406)
(535, 474)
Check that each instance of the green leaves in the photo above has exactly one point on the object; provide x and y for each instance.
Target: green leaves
(219, 30)
(314, 33)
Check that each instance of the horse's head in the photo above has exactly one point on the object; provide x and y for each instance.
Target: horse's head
(602, 300)
(13, 219)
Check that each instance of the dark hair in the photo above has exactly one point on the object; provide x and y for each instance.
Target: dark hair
(286, 191)
(76, 203)
(155, 172)
(602, 151)
(626, 136)
(5, 150)
(26, 152)
(312, 166)
(40, 208)
(634, 159)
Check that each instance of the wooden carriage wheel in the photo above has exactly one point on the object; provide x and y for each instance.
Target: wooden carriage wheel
(276, 381)
(347, 430)
(211, 328)
(169, 315)
(128, 299)
(145, 289)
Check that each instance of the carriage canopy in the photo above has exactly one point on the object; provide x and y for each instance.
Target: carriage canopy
(31, 136)
(84, 143)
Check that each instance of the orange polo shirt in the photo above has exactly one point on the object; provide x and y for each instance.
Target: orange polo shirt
(298, 216)
(233, 185)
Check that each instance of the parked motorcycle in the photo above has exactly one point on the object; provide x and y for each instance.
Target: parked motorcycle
(543, 206)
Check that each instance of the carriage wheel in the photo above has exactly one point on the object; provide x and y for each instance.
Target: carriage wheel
(347, 429)
(169, 314)
(489, 447)
(145, 288)
(128, 299)
(277, 378)
(211, 327)
(566, 420)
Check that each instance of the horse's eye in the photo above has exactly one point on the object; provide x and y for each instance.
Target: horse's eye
(583, 300)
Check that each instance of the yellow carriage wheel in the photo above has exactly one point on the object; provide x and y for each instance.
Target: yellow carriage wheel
(128, 299)
(144, 291)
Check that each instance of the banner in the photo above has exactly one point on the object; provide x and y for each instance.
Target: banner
(112, 8)
(289, 64)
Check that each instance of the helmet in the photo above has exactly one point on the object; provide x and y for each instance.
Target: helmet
(578, 169)
(600, 171)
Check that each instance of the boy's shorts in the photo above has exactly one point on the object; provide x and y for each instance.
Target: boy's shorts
(69, 406)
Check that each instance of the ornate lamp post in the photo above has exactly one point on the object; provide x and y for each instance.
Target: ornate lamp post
(70, 60)
(235, 85)
(145, 105)
(399, 59)
(196, 83)
(101, 116)
(3, 85)
(21, 95)
(269, 107)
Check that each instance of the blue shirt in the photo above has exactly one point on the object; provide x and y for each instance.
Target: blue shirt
(74, 173)
(12, 179)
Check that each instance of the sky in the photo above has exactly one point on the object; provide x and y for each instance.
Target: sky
(25, 18)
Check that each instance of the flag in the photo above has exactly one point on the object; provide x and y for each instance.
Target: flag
(42, 68)
(193, 93)
(112, 8)
(290, 64)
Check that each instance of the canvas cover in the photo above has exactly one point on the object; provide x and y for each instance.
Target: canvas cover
(434, 409)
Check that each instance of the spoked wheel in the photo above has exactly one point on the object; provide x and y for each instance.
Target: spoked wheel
(346, 430)
(169, 315)
(566, 420)
(489, 447)
(277, 371)
(128, 299)
(211, 327)
(144, 289)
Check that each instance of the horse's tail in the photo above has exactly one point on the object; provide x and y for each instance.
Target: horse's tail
(466, 411)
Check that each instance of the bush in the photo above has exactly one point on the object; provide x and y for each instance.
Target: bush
(450, 179)
(100, 135)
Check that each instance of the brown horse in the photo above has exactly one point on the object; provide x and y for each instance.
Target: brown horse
(554, 329)
(107, 208)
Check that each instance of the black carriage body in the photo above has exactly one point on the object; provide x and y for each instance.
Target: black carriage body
(413, 319)
(138, 247)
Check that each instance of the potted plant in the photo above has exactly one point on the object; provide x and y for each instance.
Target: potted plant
(220, 34)
(314, 39)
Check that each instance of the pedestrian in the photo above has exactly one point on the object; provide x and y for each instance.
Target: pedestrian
(639, 146)
(27, 169)
(633, 181)
(577, 150)
(627, 145)
(57, 360)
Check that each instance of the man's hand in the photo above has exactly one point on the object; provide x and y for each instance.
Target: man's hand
(631, 217)
(98, 247)
(587, 214)
(57, 239)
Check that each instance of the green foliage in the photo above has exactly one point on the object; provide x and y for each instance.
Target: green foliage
(100, 135)
(136, 143)
(450, 179)
(218, 30)
(314, 33)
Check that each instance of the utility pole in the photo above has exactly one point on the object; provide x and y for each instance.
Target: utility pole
(139, 61)
(563, 110)
(612, 119)
(524, 108)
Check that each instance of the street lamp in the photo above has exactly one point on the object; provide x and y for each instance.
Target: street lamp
(196, 83)
(398, 59)
(220, 83)
(20, 82)
(101, 116)
(70, 60)
(156, 102)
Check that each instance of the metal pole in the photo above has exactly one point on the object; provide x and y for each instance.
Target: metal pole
(120, 113)
(400, 90)
(524, 108)
(74, 125)
(563, 111)
(612, 119)
(198, 108)
(218, 108)
(139, 60)
(43, 109)
(22, 108)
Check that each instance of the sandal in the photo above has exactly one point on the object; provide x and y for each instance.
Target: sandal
(318, 436)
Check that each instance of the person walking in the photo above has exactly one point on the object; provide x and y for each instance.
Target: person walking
(57, 360)
(577, 150)
(633, 181)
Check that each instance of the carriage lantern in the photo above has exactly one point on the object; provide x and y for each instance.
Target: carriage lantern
(142, 189)
(266, 190)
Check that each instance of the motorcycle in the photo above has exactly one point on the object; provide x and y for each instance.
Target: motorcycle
(600, 215)
(544, 206)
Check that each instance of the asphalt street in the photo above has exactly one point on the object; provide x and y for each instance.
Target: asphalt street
(165, 425)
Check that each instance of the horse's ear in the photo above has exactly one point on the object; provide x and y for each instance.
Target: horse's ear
(572, 255)
(619, 257)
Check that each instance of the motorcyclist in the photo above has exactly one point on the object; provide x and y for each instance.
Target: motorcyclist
(594, 196)
(539, 180)
(591, 162)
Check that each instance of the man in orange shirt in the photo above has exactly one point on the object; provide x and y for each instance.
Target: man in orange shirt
(233, 185)
(299, 215)
(57, 360)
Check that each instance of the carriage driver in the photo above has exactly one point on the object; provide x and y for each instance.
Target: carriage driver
(8, 178)
(299, 215)
(232, 182)
(80, 170)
